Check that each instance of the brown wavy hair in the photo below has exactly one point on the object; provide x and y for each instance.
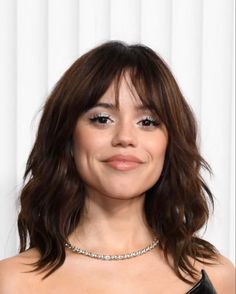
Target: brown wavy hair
(52, 197)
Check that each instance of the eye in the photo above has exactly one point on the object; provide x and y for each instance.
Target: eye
(149, 121)
(101, 119)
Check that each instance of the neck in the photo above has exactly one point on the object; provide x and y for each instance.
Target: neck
(112, 226)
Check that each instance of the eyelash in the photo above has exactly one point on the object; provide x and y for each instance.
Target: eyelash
(154, 122)
(95, 119)
(100, 116)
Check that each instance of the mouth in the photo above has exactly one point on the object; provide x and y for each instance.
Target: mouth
(123, 163)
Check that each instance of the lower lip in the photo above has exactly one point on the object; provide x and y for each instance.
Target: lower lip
(123, 165)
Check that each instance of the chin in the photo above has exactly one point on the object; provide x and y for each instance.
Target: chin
(123, 193)
(123, 197)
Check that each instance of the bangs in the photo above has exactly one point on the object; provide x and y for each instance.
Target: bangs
(146, 89)
(140, 74)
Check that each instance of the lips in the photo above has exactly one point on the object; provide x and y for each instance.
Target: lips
(123, 162)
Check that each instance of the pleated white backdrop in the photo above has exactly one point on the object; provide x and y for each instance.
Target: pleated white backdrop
(40, 39)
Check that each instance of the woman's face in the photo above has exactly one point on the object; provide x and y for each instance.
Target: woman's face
(131, 135)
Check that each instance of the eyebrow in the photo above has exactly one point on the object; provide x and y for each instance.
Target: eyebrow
(113, 107)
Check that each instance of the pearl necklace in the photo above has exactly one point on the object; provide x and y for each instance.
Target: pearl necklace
(113, 257)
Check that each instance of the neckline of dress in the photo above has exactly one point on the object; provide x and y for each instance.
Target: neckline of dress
(198, 283)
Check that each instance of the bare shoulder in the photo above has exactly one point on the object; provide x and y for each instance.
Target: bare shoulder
(222, 275)
(13, 271)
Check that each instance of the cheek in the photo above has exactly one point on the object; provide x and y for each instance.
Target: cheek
(157, 147)
(87, 144)
(157, 151)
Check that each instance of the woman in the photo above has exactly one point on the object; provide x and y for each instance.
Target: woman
(113, 196)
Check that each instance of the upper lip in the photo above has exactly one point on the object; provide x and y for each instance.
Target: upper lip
(120, 157)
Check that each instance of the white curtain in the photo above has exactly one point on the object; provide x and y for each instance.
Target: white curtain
(41, 38)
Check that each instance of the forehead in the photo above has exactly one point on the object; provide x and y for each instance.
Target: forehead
(120, 93)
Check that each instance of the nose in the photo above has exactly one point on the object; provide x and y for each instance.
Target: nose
(124, 135)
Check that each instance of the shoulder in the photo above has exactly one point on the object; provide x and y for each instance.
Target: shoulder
(222, 275)
(13, 271)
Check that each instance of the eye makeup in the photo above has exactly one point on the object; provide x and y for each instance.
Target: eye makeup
(100, 118)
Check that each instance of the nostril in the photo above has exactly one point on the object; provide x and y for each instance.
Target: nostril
(124, 141)
(124, 134)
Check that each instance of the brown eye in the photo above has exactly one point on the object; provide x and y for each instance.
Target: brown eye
(149, 122)
(101, 119)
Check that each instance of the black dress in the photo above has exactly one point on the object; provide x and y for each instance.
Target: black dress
(204, 286)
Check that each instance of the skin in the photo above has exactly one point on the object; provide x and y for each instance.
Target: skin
(113, 220)
(114, 204)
